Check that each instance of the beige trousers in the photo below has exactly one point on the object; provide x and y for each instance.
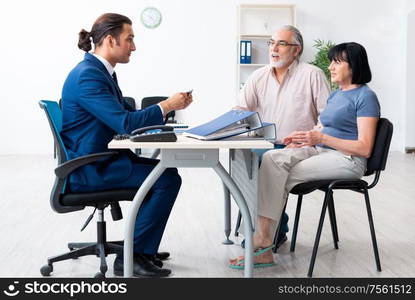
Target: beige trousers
(282, 169)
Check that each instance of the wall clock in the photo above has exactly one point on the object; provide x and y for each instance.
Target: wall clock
(151, 17)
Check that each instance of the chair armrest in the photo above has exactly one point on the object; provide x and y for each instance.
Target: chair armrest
(63, 170)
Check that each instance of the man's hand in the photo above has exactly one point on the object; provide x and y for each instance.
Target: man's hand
(176, 102)
(303, 138)
(292, 145)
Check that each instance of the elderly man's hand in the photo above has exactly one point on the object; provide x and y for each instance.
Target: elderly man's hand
(303, 138)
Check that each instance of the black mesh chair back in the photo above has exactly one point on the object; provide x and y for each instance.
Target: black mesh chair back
(377, 161)
(148, 101)
(54, 117)
(130, 101)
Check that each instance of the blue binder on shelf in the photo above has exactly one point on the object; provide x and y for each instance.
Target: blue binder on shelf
(245, 52)
(234, 122)
(242, 52)
(248, 52)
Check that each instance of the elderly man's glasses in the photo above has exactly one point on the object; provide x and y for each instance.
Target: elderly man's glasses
(272, 43)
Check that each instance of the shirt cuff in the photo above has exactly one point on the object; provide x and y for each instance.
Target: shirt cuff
(162, 111)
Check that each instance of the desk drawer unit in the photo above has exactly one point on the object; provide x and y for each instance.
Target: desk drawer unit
(191, 158)
(244, 166)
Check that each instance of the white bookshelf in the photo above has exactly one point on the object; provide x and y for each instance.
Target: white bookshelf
(256, 23)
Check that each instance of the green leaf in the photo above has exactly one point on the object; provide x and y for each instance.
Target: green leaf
(321, 59)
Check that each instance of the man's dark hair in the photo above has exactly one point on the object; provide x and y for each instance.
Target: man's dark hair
(355, 55)
(107, 24)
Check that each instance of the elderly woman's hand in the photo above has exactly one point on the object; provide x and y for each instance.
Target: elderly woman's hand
(289, 139)
(308, 138)
(303, 138)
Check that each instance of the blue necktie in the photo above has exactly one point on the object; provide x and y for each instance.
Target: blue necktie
(114, 76)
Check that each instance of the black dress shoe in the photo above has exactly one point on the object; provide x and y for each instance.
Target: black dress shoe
(154, 260)
(162, 255)
(142, 267)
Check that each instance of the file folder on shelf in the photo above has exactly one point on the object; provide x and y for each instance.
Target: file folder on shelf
(242, 52)
(232, 123)
(245, 52)
(248, 52)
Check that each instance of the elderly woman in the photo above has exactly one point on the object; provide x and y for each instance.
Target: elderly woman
(338, 150)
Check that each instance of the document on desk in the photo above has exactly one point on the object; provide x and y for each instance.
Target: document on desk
(232, 123)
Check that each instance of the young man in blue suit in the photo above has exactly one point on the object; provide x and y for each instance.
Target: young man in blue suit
(93, 112)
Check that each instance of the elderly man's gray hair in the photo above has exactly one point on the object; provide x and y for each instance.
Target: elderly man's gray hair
(298, 38)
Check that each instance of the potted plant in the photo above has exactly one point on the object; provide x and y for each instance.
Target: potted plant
(321, 59)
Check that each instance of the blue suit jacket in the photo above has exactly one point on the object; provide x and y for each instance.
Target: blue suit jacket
(93, 112)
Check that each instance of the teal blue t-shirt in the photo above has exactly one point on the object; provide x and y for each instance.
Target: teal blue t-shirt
(339, 118)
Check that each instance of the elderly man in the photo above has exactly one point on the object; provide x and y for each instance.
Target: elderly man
(286, 92)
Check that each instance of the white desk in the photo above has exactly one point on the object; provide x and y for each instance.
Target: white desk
(187, 152)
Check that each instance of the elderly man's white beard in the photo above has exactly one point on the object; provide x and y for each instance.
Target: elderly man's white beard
(283, 62)
(278, 64)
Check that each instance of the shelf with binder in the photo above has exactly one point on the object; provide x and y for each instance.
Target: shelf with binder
(255, 36)
(258, 50)
(259, 56)
(245, 52)
(253, 65)
(256, 24)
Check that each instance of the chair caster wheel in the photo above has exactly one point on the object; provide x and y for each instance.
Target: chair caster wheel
(99, 275)
(46, 270)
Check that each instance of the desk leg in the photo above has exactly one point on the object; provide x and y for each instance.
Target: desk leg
(130, 221)
(155, 154)
(227, 202)
(239, 198)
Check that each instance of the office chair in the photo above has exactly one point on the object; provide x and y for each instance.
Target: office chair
(130, 101)
(62, 200)
(375, 164)
(148, 101)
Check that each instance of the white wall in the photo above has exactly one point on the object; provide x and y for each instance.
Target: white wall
(195, 47)
(410, 77)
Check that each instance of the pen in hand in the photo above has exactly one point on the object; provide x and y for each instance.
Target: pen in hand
(189, 96)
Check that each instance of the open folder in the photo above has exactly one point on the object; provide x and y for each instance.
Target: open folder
(234, 122)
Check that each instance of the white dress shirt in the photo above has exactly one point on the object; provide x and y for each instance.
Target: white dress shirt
(294, 104)
(111, 71)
